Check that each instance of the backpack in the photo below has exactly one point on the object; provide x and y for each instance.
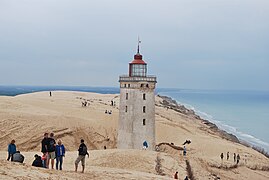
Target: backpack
(84, 150)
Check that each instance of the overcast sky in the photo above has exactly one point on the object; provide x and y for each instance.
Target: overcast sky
(202, 44)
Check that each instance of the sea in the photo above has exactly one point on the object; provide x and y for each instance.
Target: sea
(242, 113)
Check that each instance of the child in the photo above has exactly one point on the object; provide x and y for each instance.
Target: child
(44, 160)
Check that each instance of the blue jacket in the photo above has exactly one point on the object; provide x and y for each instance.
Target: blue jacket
(12, 148)
(60, 150)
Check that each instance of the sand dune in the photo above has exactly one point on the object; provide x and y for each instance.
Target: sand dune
(102, 164)
(26, 117)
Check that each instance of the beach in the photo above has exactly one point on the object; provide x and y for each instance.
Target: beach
(26, 117)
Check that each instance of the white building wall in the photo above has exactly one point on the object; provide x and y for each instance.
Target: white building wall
(132, 133)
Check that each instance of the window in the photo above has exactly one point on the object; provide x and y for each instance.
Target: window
(141, 85)
(126, 108)
(144, 122)
(126, 96)
(124, 85)
(129, 85)
(147, 85)
(139, 70)
(144, 96)
(144, 109)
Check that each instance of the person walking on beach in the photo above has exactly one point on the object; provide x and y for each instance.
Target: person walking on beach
(238, 158)
(51, 150)
(234, 157)
(184, 151)
(11, 150)
(228, 155)
(82, 152)
(221, 156)
(50, 94)
(60, 153)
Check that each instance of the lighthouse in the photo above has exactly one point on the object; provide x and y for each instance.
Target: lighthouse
(137, 106)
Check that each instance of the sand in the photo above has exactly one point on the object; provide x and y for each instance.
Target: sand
(26, 117)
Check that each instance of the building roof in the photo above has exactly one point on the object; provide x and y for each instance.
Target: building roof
(138, 59)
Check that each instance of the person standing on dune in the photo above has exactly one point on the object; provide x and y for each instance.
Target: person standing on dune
(82, 152)
(60, 153)
(51, 143)
(44, 149)
(184, 151)
(11, 150)
(176, 175)
(238, 158)
(221, 156)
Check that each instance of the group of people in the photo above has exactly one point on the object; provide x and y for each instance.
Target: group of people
(236, 157)
(50, 151)
(108, 111)
(84, 103)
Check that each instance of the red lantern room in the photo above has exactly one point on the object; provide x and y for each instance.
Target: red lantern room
(138, 67)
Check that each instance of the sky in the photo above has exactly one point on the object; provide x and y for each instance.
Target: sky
(189, 44)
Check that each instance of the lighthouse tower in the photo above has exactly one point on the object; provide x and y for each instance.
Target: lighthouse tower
(137, 106)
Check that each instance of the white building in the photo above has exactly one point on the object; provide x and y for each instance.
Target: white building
(137, 107)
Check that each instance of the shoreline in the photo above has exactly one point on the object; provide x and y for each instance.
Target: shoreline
(169, 102)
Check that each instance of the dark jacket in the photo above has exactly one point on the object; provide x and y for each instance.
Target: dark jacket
(37, 162)
(83, 150)
(44, 143)
(11, 148)
(51, 145)
(145, 144)
(18, 157)
(60, 150)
